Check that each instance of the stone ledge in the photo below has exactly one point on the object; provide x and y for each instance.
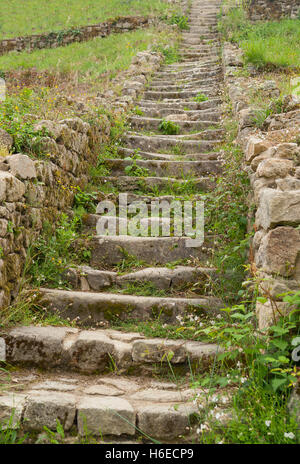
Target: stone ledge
(89, 351)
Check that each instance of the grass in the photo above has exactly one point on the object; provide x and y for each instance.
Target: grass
(90, 60)
(270, 44)
(43, 16)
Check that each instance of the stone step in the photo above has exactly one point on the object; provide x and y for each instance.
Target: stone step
(154, 184)
(208, 134)
(86, 351)
(182, 115)
(209, 54)
(205, 88)
(126, 152)
(172, 106)
(92, 309)
(112, 250)
(200, 73)
(156, 143)
(185, 125)
(179, 84)
(176, 169)
(163, 278)
(123, 410)
(184, 94)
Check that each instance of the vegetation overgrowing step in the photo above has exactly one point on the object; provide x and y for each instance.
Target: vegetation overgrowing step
(158, 142)
(160, 278)
(179, 169)
(129, 152)
(156, 185)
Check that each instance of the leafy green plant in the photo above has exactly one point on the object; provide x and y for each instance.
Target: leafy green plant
(180, 20)
(169, 127)
(200, 97)
(136, 171)
(53, 252)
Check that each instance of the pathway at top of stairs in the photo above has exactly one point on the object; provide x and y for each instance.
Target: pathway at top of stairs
(139, 405)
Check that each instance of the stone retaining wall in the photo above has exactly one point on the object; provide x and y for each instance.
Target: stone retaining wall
(273, 9)
(33, 191)
(272, 160)
(81, 34)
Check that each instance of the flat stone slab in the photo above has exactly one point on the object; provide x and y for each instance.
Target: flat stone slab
(106, 416)
(110, 405)
(92, 308)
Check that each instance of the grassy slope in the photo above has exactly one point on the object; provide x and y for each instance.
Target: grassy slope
(45, 16)
(268, 43)
(93, 58)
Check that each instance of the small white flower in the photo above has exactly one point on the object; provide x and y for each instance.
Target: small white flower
(268, 423)
(224, 400)
(201, 428)
(243, 379)
(219, 316)
(289, 435)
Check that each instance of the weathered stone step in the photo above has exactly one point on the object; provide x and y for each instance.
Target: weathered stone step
(185, 53)
(190, 73)
(126, 152)
(209, 54)
(171, 84)
(163, 278)
(180, 169)
(86, 351)
(113, 250)
(154, 184)
(184, 94)
(156, 143)
(181, 114)
(114, 409)
(173, 106)
(204, 64)
(144, 123)
(95, 308)
(205, 88)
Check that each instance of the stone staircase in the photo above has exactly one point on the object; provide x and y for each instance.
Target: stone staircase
(104, 379)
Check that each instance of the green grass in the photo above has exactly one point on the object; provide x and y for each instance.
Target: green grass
(41, 16)
(90, 59)
(265, 44)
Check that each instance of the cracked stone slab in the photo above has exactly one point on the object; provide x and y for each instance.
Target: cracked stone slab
(106, 415)
(44, 408)
(56, 386)
(165, 421)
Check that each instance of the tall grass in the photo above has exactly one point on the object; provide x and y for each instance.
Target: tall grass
(266, 44)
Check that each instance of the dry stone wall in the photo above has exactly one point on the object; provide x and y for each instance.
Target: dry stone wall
(81, 34)
(272, 160)
(33, 191)
(273, 9)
